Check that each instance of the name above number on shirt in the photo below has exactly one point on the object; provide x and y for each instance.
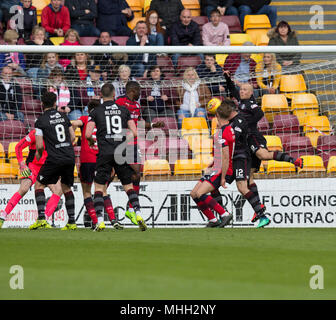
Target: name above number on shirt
(113, 124)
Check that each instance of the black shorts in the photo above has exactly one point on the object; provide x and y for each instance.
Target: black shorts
(87, 172)
(241, 169)
(215, 179)
(51, 172)
(104, 167)
(133, 154)
(256, 141)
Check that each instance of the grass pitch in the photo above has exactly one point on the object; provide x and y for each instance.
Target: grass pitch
(168, 263)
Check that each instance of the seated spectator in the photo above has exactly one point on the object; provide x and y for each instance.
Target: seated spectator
(29, 19)
(210, 69)
(55, 19)
(268, 73)
(215, 32)
(49, 62)
(141, 62)
(113, 17)
(71, 38)
(77, 70)
(15, 60)
(124, 75)
(224, 7)
(10, 96)
(5, 6)
(242, 68)
(157, 99)
(82, 16)
(283, 35)
(109, 62)
(246, 7)
(169, 12)
(193, 96)
(155, 31)
(34, 60)
(93, 85)
(185, 32)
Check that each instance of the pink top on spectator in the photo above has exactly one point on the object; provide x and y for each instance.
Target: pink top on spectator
(215, 36)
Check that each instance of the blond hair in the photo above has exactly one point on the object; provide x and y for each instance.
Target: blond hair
(10, 35)
(187, 70)
(273, 62)
(74, 32)
(38, 28)
(45, 58)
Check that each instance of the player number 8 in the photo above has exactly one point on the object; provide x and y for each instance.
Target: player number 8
(60, 132)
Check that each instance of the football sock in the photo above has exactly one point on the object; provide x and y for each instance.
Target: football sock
(88, 202)
(214, 205)
(217, 196)
(52, 205)
(99, 205)
(253, 187)
(205, 209)
(133, 200)
(136, 188)
(13, 201)
(281, 156)
(254, 201)
(70, 206)
(108, 207)
(40, 203)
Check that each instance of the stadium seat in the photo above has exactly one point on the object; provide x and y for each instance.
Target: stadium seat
(2, 154)
(233, 23)
(303, 105)
(185, 62)
(194, 125)
(331, 168)
(57, 40)
(75, 172)
(256, 21)
(315, 126)
(237, 39)
(131, 24)
(31, 106)
(39, 5)
(264, 126)
(326, 143)
(293, 83)
(220, 58)
(299, 146)
(121, 40)
(257, 34)
(25, 85)
(205, 159)
(136, 6)
(146, 5)
(274, 104)
(88, 41)
(170, 127)
(193, 6)
(273, 143)
(279, 167)
(12, 153)
(214, 123)
(187, 167)
(8, 171)
(286, 124)
(262, 40)
(156, 167)
(177, 149)
(12, 129)
(200, 143)
(200, 20)
(287, 137)
(312, 164)
(302, 114)
(166, 65)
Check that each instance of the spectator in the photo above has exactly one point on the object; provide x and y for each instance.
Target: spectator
(93, 85)
(168, 11)
(215, 32)
(29, 19)
(283, 35)
(141, 62)
(49, 62)
(185, 32)
(210, 69)
(157, 99)
(34, 60)
(156, 32)
(241, 68)
(193, 96)
(71, 38)
(224, 7)
(82, 16)
(256, 7)
(10, 97)
(5, 6)
(55, 19)
(77, 70)
(109, 62)
(124, 75)
(268, 73)
(14, 60)
(113, 17)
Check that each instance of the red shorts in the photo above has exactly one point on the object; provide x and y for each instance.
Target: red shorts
(35, 169)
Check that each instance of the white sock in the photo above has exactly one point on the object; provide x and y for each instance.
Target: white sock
(225, 214)
(100, 219)
(213, 220)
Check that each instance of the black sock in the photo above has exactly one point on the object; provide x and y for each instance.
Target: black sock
(217, 196)
(254, 201)
(133, 199)
(98, 203)
(70, 206)
(40, 203)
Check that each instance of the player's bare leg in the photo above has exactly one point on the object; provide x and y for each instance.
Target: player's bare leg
(264, 154)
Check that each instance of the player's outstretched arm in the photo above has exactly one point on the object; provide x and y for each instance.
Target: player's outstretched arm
(76, 124)
(88, 132)
(22, 144)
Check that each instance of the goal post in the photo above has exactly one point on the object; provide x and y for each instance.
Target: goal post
(299, 119)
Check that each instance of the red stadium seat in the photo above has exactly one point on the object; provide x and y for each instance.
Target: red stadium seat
(166, 65)
(286, 137)
(187, 61)
(200, 20)
(177, 149)
(263, 126)
(30, 120)
(120, 40)
(326, 147)
(286, 123)
(299, 146)
(32, 106)
(25, 84)
(170, 127)
(233, 23)
(88, 41)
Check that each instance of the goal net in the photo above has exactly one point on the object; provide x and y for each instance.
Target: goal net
(178, 89)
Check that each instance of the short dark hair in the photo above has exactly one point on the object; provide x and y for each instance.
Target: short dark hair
(94, 103)
(283, 23)
(107, 90)
(48, 99)
(132, 85)
(225, 108)
(214, 11)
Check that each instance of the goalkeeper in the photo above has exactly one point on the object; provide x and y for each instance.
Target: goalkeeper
(29, 170)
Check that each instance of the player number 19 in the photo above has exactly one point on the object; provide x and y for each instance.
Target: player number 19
(113, 124)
